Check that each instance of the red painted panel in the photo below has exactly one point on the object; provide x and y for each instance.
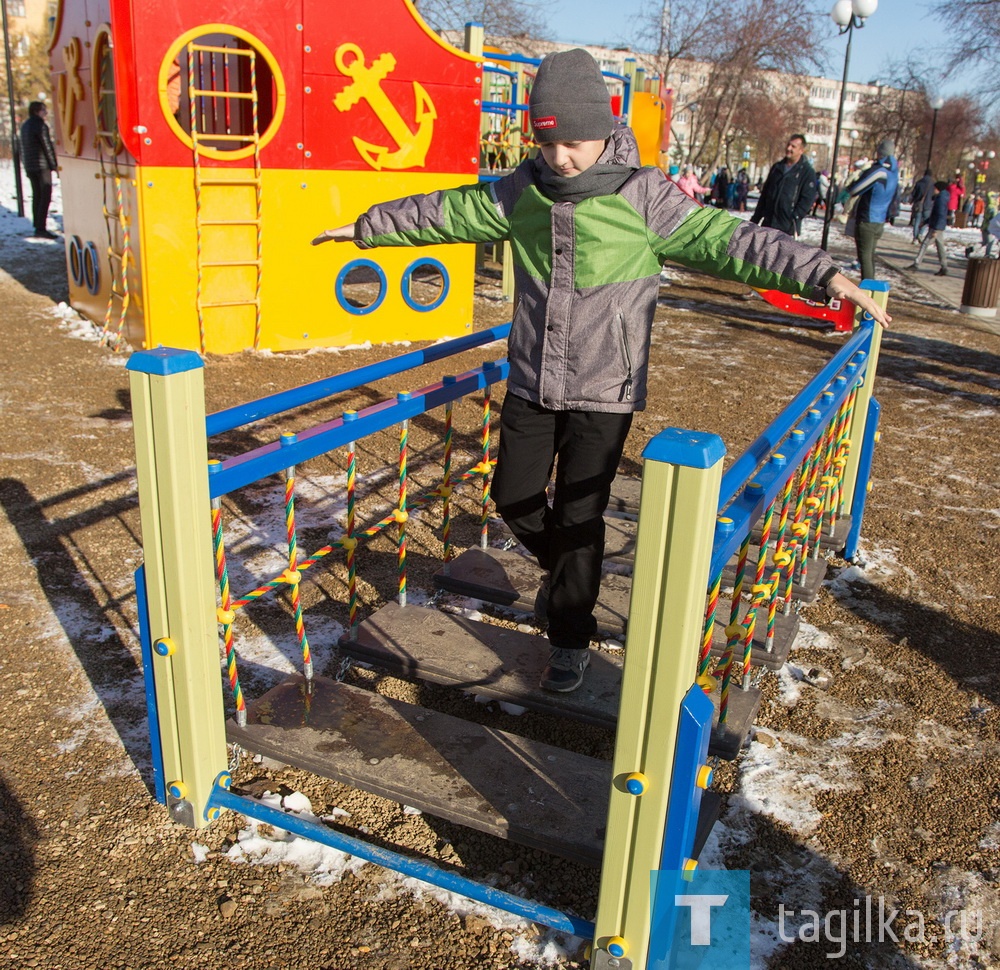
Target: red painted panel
(375, 75)
(147, 30)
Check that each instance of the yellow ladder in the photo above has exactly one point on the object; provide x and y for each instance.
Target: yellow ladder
(119, 260)
(214, 209)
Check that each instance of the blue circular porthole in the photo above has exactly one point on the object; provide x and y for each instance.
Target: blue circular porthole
(76, 260)
(425, 284)
(361, 286)
(91, 269)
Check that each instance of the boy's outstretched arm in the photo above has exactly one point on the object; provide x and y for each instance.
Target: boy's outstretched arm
(343, 234)
(840, 287)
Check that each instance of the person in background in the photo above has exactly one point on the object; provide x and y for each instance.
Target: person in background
(875, 191)
(789, 190)
(955, 193)
(720, 189)
(689, 185)
(921, 201)
(822, 189)
(38, 156)
(742, 190)
(937, 225)
(990, 228)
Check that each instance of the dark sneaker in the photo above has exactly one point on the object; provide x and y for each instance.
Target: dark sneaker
(565, 670)
(941, 272)
(542, 602)
(968, 251)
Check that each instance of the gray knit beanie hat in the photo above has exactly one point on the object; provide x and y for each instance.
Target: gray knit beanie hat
(569, 99)
(886, 147)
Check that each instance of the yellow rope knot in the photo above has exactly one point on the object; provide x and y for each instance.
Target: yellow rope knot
(814, 503)
(400, 515)
(350, 544)
(445, 490)
(734, 630)
(706, 682)
(483, 468)
(800, 529)
(225, 616)
(291, 576)
(830, 480)
(782, 559)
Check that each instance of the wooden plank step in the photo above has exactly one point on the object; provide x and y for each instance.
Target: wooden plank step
(507, 578)
(625, 500)
(786, 629)
(802, 592)
(625, 495)
(504, 664)
(829, 541)
(490, 780)
(467, 773)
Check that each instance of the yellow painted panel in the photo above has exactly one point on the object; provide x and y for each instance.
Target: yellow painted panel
(299, 306)
(647, 123)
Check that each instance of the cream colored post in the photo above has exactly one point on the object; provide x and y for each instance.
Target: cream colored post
(859, 417)
(168, 409)
(681, 476)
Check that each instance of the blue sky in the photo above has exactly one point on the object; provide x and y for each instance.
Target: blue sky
(896, 28)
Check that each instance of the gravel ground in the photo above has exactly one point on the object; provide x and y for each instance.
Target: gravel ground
(894, 768)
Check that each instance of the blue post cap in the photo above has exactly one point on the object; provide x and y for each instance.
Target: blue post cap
(691, 449)
(164, 361)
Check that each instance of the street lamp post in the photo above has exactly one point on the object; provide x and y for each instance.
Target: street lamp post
(846, 14)
(937, 104)
(850, 157)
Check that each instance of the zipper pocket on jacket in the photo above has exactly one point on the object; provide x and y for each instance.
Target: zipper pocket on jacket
(626, 394)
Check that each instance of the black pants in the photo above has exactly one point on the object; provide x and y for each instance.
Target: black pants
(567, 538)
(41, 197)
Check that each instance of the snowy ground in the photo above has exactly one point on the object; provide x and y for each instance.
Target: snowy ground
(783, 776)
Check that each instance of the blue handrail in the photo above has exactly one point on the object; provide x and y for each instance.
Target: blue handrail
(266, 407)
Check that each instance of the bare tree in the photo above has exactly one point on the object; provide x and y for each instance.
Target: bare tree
(754, 36)
(974, 37)
(675, 30)
(505, 18)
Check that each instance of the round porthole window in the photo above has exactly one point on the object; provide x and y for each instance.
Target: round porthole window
(361, 286)
(425, 284)
(76, 260)
(221, 88)
(91, 268)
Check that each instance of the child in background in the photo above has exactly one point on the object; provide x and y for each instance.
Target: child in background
(590, 230)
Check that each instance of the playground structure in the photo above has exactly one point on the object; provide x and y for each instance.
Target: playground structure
(199, 158)
(799, 487)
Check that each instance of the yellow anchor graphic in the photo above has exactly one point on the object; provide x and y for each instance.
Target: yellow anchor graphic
(367, 86)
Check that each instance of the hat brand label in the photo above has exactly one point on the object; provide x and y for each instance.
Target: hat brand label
(541, 124)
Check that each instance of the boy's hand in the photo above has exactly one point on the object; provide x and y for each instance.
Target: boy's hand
(343, 234)
(840, 287)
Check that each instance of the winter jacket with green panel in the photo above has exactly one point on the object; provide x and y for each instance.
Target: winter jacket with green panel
(587, 274)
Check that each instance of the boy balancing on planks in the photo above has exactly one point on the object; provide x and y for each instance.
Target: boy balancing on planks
(590, 230)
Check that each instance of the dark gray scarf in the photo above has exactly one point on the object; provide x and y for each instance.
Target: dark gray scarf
(599, 179)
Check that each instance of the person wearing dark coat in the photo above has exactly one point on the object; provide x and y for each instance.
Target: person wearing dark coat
(937, 223)
(720, 189)
(922, 200)
(789, 191)
(38, 156)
